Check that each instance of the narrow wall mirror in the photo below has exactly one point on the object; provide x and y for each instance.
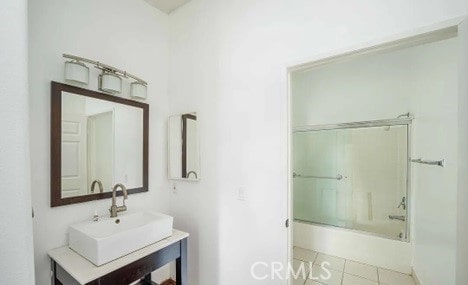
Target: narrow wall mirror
(97, 141)
(183, 147)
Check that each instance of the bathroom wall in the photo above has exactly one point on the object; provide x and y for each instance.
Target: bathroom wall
(462, 209)
(16, 244)
(227, 63)
(421, 80)
(128, 34)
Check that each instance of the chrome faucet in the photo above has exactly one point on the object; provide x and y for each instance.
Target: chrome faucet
(114, 209)
(99, 183)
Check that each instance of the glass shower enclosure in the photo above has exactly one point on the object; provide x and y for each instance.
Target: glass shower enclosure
(354, 176)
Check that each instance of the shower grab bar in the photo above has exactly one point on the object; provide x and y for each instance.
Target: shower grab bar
(337, 177)
(440, 163)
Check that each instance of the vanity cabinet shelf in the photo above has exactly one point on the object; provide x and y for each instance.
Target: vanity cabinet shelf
(69, 268)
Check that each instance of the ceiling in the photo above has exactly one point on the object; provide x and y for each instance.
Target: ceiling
(167, 6)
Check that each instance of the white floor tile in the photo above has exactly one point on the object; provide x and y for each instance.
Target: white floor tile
(335, 263)
(361, 270)
(328, 277)
(301, 276)
(389, 277)
(355, 280)
(304, 254)
(298, 271)
(298, 281)
(355, 273)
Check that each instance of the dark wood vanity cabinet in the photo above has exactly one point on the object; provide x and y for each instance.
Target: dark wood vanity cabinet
(137, 270)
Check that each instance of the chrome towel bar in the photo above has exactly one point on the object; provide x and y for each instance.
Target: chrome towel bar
(337, 177)
(440, 163)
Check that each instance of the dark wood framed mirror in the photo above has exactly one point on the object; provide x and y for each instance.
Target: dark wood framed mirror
(97, 141)
(183, 147)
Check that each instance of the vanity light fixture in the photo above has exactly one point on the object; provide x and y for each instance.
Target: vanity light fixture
(138, 90)
(76, 71)
(110, 80)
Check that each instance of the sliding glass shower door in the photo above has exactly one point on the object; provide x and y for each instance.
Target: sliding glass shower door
(353, 178)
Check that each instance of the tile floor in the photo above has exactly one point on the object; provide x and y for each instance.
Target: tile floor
(344, 272)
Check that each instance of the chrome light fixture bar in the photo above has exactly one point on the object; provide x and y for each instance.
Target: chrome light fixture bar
(111, 76)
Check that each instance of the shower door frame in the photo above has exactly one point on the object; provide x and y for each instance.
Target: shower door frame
(406, 121)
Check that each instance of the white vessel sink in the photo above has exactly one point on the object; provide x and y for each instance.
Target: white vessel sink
(111, 238)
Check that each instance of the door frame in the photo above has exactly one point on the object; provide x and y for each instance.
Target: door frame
(424, 34)
(90, 117)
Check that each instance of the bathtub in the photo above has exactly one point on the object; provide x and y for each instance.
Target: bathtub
(355, 245)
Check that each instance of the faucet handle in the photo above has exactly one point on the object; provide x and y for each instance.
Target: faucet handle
(403, 203)
(125, 194)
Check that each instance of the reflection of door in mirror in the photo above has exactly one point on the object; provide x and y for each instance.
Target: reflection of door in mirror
(101, 141)
(101, 150)
(74, 155)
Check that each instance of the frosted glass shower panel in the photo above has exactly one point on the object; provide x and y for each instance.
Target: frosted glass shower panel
(353, 178)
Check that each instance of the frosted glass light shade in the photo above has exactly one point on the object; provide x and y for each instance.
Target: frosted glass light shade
(138, 90)
(110, 83)
(76, 72)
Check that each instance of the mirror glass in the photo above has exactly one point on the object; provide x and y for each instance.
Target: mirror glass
(102, 145)
(184, 153)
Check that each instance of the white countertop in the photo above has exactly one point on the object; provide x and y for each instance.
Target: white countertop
(84, 271)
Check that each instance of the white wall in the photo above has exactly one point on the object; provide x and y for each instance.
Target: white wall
(16, 245)
(435, 189)
(421, 80)
(125, 33)
(462, 209)
(227, 60)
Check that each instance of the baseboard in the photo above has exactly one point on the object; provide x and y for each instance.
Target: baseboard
(415, 277)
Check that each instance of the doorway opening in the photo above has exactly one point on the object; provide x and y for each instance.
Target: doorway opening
(373, 137)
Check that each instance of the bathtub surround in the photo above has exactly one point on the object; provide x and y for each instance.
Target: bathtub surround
(372, 165)
(16, 245)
